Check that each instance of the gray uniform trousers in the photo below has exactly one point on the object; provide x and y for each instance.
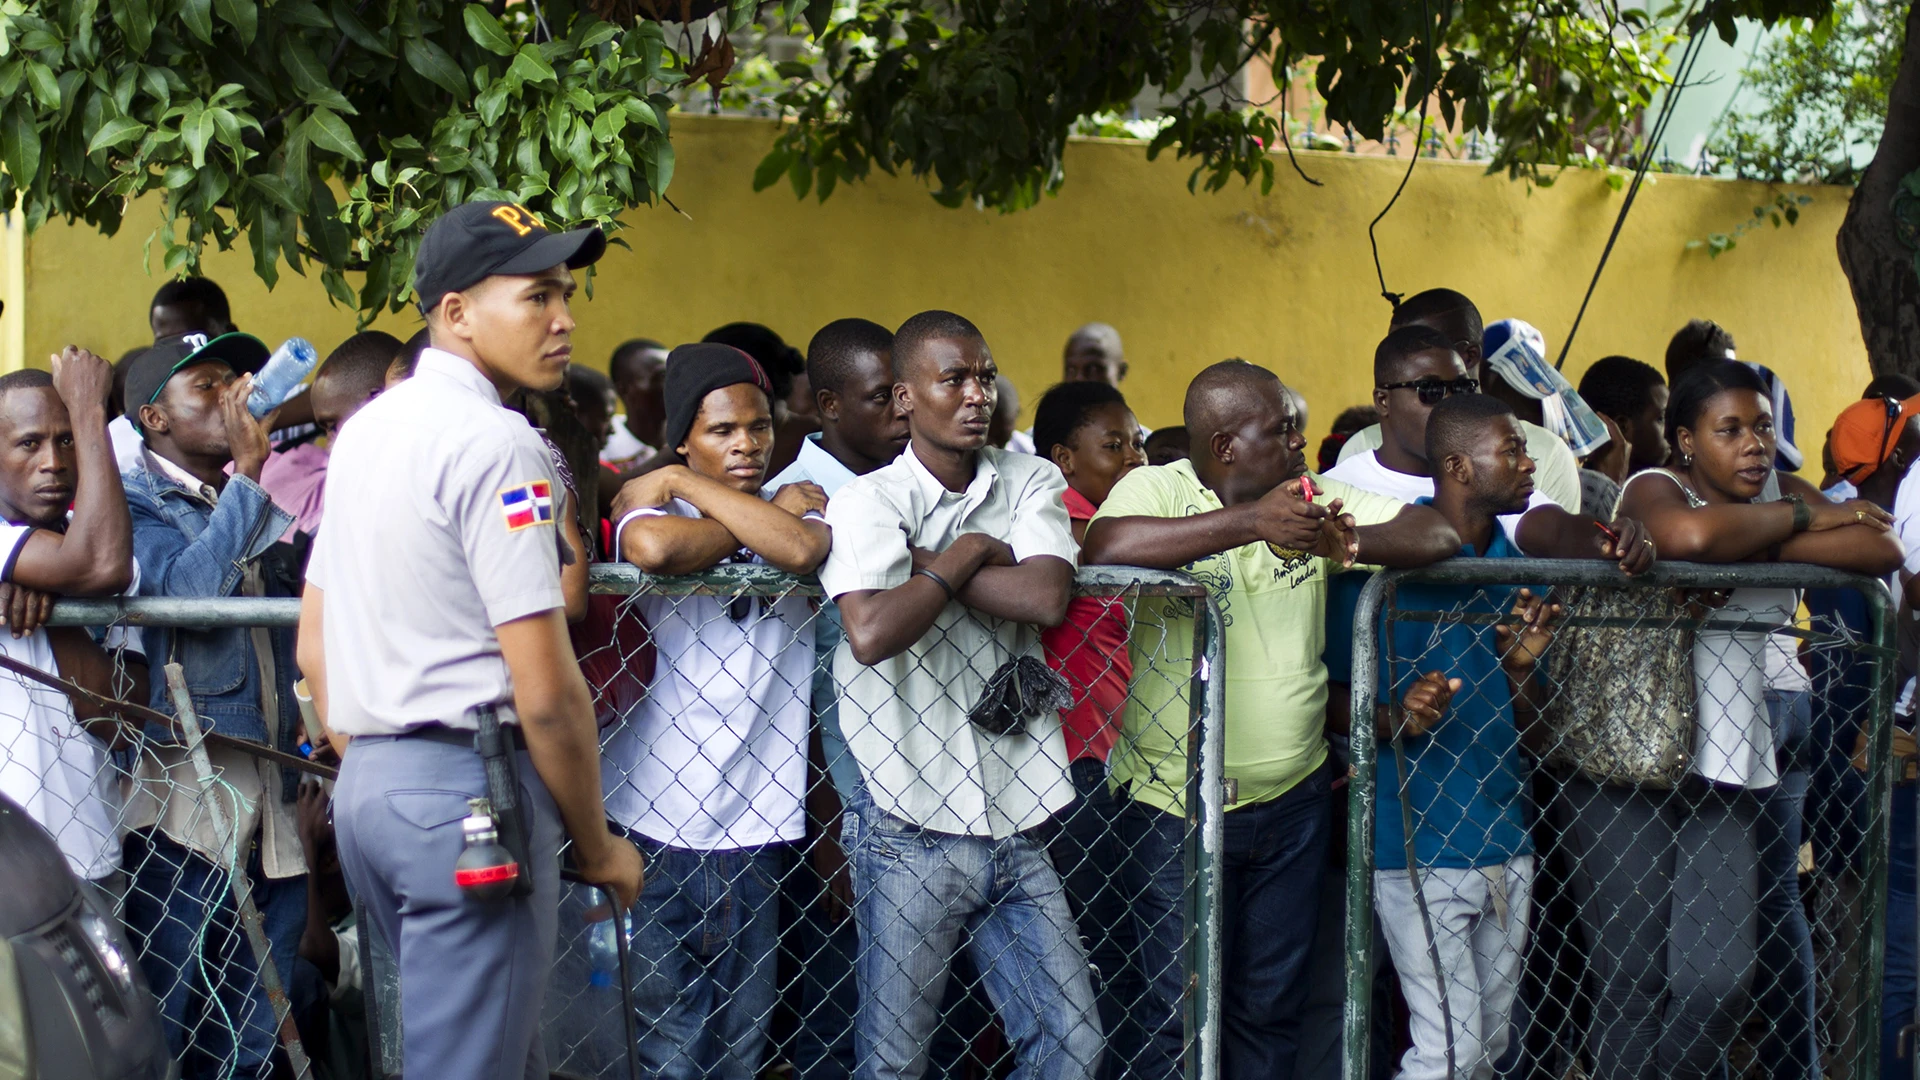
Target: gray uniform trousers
(473, 974)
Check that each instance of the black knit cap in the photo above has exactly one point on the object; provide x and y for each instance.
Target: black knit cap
(694, 371)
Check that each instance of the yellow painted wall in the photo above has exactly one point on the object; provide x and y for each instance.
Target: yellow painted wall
(1284, 280)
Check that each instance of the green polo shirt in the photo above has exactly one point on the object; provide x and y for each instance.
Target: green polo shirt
(1274, 608)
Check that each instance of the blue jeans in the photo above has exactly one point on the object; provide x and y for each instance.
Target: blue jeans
(1275, 857)
(706, 936)
(1903, 957)
(917, 892)
(1783, 980)
(196, 957)
(1087, 853)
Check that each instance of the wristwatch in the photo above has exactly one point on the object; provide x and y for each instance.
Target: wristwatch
(1802, 513)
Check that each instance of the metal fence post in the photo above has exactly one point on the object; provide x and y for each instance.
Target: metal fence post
(237, 877)
(1880, 797)
(1209, 706)
(1357, 1017)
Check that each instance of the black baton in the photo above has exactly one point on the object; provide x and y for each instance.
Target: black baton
(496, 752)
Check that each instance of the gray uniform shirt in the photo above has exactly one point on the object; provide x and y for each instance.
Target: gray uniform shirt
(437, 526)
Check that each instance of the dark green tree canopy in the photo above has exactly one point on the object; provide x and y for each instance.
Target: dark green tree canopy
(979, 97)
(327, 131)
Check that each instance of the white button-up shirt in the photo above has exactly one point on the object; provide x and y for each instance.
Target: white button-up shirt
(906, 718)
(439, 525)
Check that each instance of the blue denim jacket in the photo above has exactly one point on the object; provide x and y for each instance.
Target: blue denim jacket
(189, 547)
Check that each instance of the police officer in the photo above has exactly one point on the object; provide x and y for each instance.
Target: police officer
(434, 593)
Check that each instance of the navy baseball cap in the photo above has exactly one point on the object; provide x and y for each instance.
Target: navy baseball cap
(477, 240)
(147, 374)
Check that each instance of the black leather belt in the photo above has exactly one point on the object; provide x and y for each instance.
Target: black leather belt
(460, 737)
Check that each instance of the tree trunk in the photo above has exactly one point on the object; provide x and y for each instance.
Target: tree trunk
(1880, 269)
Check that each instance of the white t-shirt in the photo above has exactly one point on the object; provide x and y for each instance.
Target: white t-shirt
(1733, 734)
(715, 756)
(1365, 472)
(127, 443)
(624, 450)
(48, 762)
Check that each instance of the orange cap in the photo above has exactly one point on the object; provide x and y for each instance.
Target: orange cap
(1865, 434)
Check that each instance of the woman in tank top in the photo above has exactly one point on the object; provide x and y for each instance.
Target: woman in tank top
(1669, 880)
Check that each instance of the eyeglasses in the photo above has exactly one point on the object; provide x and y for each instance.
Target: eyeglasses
(1432, 390)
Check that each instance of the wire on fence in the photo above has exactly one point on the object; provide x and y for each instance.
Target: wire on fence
(1593, 863)
(1549, 846)
(973, 906)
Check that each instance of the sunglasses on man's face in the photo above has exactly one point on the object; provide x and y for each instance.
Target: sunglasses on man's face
(1432, 390)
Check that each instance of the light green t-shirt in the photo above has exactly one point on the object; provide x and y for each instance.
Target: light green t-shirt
(1274, 608)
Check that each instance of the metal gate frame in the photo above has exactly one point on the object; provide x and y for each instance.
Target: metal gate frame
(1379, 596)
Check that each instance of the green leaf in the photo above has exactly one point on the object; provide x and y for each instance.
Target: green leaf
(643, 112)
(530, 66)
(486, 32)
(337, 287)
(196, 130)
(153, 81)
(20, 143)
(302, 64)
(329, 132)
(242, 15)
(264, 236)
(135, 20)
(492, 102)
(607, 125)
(70, 83)
(115, 132)
(819, 16)
(301, 13)
(800, 176)
(356, 31)
(198, 15)
(46, 88)
(276, 190)
(660, 166)
(432, 62)
(601, 33)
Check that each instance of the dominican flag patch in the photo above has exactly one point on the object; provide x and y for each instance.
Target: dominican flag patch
(528, 505)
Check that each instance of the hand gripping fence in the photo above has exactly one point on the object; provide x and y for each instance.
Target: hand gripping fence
(789, 922)
(1661, 850)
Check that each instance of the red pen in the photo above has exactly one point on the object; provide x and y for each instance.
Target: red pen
(1306, 487)
(1610, 534)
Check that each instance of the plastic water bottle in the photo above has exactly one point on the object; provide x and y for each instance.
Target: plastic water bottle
(285, 370)
(603, 952)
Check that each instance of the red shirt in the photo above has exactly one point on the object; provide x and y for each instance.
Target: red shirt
(1090, 650)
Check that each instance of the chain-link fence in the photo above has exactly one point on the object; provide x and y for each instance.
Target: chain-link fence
(813, 901)
(1584, 849)
(848, 864)
(153, 809)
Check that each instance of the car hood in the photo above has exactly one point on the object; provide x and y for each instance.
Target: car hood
(39, 887)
